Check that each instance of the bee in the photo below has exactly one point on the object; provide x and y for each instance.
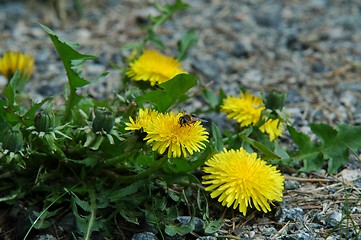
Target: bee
(187, 119)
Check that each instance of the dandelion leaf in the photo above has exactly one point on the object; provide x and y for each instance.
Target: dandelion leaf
(334, 146)
(71, 58)
(309, 152)
(170, 92)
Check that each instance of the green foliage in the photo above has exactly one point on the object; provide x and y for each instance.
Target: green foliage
(333, 147)
(170, 92)
(80, 159)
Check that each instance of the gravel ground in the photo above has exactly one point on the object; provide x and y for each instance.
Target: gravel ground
(309, 48)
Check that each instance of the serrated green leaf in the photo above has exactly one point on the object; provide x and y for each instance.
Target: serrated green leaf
(336, 143)
(334, 146)
(325, 132)
(309, 152)
(350, 136)
(170, 92)
(302, 140)
(70, 58)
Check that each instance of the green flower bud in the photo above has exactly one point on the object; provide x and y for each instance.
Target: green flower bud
(44, 121)
(13, 141)
(276, 100)
(104, 120)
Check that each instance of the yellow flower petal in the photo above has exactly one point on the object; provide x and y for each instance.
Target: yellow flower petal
(144, 117)
(241, 179)
(12, 61)
(246, 109)
(154, 67)
(273, 127)
(165, 133)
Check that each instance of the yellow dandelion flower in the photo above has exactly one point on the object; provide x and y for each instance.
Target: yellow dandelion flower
(165, 132)
(12, 61)
(273, 127)
(242, 179)
(154, 67)
(145, 116)
(246, 108)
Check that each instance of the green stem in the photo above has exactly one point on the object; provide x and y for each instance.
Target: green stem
(69, 105)
(139, 176)
(92, 215)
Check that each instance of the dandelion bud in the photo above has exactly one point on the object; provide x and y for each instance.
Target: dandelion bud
(44, 121)
(13, 141)
(103, 121)
(275, 100)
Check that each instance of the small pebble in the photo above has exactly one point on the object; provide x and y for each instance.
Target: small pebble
(144, 236)
(198, 223)
(290, 185)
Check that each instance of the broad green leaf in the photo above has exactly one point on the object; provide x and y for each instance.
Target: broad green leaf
(71, 58)
(170, 92)
(334, 146)
(309, 152)
(336, 143)
(302, 140)
(350, 136)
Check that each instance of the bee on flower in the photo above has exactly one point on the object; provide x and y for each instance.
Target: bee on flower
(171, 132)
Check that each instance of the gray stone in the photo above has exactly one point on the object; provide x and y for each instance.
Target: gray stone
(292, 214)
(198, 223)
(290, 185)
(144, 236)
